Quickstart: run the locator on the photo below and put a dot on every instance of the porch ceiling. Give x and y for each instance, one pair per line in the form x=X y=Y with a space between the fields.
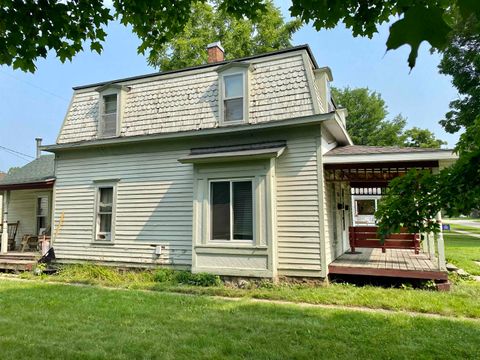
x=373 y=174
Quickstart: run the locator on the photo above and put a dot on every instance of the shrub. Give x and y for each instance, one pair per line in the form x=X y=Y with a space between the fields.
x=164 y=275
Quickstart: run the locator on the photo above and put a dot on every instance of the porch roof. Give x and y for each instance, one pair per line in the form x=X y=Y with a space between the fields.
x=356 y=154
x=38 y=173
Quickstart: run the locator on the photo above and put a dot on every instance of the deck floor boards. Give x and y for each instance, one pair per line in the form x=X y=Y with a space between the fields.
x=394 y=262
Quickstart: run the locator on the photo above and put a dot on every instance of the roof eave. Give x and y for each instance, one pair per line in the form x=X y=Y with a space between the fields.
x=232 y=129
x=44 y=184
x=369 y=158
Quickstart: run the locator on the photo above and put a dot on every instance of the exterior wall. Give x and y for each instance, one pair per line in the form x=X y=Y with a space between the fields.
x=279 y=89
x=155 y=206
x=22 y=207
x=298 y=228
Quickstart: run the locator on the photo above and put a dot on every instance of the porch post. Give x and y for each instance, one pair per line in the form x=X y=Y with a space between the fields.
x=4 y=244
x=440 y=244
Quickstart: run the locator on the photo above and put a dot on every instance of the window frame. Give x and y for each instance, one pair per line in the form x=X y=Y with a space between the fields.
x=96 y=219
x=46 y=216
x=209 y=212
x=226 y=71
x=105 y=90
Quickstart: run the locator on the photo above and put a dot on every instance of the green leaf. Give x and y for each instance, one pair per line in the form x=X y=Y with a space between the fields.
x=417 y=25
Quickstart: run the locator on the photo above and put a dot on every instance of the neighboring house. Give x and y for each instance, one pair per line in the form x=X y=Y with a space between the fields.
x=239 y=168
x=27 y=197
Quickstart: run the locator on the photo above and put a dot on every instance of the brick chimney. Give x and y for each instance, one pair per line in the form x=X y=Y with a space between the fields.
x=215 y=52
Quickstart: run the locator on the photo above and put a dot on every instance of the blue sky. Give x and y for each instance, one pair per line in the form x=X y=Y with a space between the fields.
x=34 y=105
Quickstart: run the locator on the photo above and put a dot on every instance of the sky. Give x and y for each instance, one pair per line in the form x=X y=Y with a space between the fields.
x=34 y=105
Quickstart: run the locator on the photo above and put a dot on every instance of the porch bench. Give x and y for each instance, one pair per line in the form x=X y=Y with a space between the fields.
x=367 y=237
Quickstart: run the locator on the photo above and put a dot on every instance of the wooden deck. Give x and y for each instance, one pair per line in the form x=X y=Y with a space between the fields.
x=18 y=261
x=400 y=263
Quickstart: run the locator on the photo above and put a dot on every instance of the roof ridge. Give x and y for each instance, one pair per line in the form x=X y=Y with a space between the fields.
x=160 y=73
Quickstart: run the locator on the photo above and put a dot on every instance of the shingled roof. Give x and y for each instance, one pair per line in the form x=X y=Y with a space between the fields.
x=363 y=150
x=40 y=170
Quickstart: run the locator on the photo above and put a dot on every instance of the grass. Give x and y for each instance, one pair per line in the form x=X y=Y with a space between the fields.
x=462 y=301
x=49 y=321
x=471 y=229
x=463 y=251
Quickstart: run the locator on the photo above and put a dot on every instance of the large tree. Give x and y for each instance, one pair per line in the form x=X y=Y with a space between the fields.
x=456 y=189
x=367 y=121
x=239 y=36
x=29 y=29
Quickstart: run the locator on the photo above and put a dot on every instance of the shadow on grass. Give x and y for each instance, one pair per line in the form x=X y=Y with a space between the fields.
x=58 y=321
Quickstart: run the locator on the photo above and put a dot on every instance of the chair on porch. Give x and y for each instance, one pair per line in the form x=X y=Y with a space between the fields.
x=12 y=233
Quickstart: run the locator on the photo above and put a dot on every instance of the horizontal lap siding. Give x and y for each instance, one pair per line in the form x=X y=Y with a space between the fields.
x=154 y=207
x=22 y=207
x=297 y=209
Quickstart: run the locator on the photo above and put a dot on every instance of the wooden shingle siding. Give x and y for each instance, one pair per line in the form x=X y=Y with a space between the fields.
x=154 y=207
x=297 y=209
x=278 y=90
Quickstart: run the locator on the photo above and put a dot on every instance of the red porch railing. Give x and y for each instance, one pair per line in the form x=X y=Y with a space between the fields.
x=367 y=237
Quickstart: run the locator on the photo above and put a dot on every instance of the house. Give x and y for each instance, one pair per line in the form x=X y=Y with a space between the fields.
x=237 y=168
x=27 y=202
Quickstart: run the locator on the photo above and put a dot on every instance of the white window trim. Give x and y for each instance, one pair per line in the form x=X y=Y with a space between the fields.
x=101 y=112
x=222 y=98
x=47 y=216
x=209 y=213
x=96 y=218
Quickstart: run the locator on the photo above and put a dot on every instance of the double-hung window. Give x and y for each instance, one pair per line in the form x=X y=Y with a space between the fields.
x=104 y=212
x=231 y=204
x=42 y=214
x=233 y=97
x=109 y=119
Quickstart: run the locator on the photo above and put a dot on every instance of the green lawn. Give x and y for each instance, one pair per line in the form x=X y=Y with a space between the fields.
x=40 y=320
x=470 y=229
x=463 y=251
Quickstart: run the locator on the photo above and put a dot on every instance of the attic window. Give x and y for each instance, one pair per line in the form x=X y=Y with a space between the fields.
x=108 y=126
x=233 y=98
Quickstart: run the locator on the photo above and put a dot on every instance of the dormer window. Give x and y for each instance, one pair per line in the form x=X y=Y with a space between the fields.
x=108 y=125
x=111 y=102
x=233 y=98
x=233 y=93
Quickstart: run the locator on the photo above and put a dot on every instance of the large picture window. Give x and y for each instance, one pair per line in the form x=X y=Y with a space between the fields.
x=231 y=204
x=104 y=213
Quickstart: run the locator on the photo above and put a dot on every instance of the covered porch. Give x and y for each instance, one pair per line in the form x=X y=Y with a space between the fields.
x=363 y=173
x=26 y=195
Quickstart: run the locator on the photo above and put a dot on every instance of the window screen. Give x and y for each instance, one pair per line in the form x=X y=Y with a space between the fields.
x=109 y=116
x=105 y=208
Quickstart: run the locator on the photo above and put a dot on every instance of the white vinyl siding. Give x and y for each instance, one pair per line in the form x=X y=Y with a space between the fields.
x=153 y=207
x=298 y=228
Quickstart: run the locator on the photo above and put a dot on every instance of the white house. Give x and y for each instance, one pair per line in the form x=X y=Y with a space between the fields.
x=240 y=168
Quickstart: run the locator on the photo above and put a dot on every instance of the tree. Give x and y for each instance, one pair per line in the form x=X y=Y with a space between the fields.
x=239 y=37
x=456 y=188
x=367 y=124
x=29 y=29
x=424 y=138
